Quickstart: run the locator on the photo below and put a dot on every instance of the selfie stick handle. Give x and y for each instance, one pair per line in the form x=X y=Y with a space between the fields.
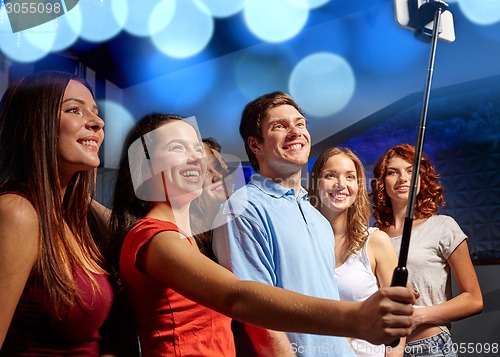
x=400 y=275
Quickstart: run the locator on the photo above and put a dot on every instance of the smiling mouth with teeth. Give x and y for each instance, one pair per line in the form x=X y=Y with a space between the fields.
x=217 y=187
x=90 y=143
x=191 y=173
x=294 y=147
x=338 y=195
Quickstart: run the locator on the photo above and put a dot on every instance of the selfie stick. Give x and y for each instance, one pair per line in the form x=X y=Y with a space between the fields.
x=400 y=275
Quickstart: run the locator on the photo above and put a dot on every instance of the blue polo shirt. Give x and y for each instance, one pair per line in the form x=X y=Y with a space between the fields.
x=266 y=234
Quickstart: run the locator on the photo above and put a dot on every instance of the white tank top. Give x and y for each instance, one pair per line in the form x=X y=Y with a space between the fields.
x=357 y=282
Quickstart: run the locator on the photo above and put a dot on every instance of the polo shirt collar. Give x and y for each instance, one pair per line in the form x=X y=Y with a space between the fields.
x=271 y=188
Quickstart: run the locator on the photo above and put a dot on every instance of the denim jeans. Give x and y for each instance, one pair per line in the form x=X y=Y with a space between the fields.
x=439 y=345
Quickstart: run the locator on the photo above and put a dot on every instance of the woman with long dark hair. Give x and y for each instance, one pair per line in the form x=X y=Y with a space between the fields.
x=54 y=290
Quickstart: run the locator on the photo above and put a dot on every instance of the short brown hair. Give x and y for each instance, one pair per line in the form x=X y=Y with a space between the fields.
x=254 y=112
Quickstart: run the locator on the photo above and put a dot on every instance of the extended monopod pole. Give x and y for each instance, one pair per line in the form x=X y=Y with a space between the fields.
x=400 y=275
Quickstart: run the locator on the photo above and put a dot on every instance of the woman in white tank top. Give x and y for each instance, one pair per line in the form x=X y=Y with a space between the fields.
x=365 y=258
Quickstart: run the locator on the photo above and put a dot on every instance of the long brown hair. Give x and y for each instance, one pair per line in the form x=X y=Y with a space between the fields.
x=29 y=139
x=429 y=198
x=358 y=214
x=127 y=207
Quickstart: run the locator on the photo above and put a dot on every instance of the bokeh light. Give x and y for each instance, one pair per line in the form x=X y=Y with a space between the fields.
x=276 y=21
x=16 y=46
x=161 y=16
x=313 y=4
x=139 y=13
x=68 y=29
x=189 y=31
x=323 y=83
x=42 y=36
x=102 y=19
x=223 y=8
x=51 y=36
x=482 y=12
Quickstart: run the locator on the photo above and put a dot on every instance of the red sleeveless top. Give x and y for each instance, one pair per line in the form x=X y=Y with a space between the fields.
x=168 y=323
x=38 y=330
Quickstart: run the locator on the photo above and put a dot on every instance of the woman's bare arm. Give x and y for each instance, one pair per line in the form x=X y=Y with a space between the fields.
x=382 y=318
x=18 y=253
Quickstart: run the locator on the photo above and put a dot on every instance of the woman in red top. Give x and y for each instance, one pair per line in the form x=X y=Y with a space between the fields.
x=54 y=293
x=179 y=296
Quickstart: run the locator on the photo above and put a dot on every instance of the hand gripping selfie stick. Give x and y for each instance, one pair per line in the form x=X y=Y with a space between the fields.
x=400 y=275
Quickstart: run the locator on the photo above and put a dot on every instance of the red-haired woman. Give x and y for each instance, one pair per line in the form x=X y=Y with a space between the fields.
x=438 y=247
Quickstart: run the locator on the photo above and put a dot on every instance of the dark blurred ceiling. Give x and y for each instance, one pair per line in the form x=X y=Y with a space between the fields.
x=386 y=63
x=120 y=58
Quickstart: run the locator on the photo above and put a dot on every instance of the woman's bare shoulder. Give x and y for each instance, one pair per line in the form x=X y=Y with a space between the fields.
x=20 y=236
x=17 y=214
x=17 y=208
x=379 y=238
x=380 y=243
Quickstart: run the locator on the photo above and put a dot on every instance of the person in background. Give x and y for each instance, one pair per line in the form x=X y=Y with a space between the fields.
x=438 y=247
x=183 y=301
x=364 y=256
x=212 y=144
x=54 y=290
x=216 y=190
x=268 y=231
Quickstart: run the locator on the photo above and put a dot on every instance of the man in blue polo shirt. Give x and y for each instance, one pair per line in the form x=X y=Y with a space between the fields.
x=269 y=232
